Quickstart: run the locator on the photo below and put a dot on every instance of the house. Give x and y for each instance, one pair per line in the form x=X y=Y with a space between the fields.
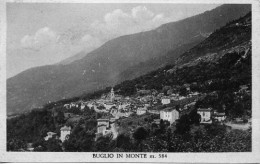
x=101 y=129
x=127 y=114
x=141 y=111
x=174 y=96
x=90 y=105
x=205 y=114
x=192 y=104
x=123 y=105
x=243 y=87
x=112 y=120
x=187 y=86
x=118 y=97
x=182 y=98
x=165 y=100
x=114 y=111
x=67 y=106
x=64 y=133
x=127 y=98
x=108 y=105
x=49 y=135
x=157 y=121
x=160 y=95
x=73 y=105
x=106 y=127
x=154 y=111
x=143 y=92
x=169 y=114
x=104 y=121
x=30 y=147
x=113 y=130
x=82 y=106
x=219 y=116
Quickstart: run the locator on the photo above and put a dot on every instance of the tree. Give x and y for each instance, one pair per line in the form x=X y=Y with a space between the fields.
x=195 y=118
x=86 y=141
x=90 y=124
x=140 y=133
x=71 y=145
x=183 y=91
x=60 y=118
x=183 y=124
x=53 y=145
x=103 y=143
x=15 y=144
x=124 y=141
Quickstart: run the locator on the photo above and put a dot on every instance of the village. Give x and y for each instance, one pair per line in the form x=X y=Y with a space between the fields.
x=113 y=108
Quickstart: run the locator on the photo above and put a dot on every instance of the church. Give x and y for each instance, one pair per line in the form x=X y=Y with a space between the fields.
x=112 y=96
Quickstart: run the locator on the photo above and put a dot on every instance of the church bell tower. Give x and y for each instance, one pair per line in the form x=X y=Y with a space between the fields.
x=112 y=94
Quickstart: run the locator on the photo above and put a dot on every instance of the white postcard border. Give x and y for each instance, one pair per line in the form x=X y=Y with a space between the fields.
x=243 y=157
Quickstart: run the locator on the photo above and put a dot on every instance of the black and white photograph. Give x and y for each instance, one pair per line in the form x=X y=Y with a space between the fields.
x=115 y=81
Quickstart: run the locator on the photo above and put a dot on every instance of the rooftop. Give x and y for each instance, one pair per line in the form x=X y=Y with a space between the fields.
x=205 y=109
x=51 y=133
x=65 y=128
x=219 y=114
x=169 y=109
x=165 y=97
x=104 y=119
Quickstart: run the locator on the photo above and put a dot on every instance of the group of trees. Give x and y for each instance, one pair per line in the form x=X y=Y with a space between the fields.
x=187 y=135
x=28 y=128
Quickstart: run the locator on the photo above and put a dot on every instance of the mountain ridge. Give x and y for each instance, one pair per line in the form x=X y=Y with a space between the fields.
x=103 y=66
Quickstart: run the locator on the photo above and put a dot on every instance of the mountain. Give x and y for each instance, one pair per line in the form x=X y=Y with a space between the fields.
x=69 y=60
x=219 y=64
x=105 y=65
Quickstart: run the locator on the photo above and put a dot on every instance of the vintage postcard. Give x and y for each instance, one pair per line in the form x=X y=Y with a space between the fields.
x=130 y=81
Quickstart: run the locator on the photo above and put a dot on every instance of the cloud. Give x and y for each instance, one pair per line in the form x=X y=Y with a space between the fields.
x=87 y=37
x=90 y=42
x=118 y=23
x=141 y=13
x=42 y=37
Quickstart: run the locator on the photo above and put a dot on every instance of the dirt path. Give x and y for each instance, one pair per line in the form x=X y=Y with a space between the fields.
x=238 y=126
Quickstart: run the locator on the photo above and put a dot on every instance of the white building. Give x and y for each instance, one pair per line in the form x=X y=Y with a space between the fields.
x=154 y=111
x=103 y=122
x=67 y=106
x=123 y=106
x=109 y=105
x=219 y=116
x=82 y=106
x=165 y=100
x=205 y=114
x=90 y=105
x=49 y=135
x=169 y=114
x=64 y=133
x=105 y=127
x=141 y=111
x=101 y=129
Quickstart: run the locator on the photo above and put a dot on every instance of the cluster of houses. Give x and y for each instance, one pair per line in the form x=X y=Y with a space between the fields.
x=64 y=134
x=106 y=126
x=207 y=115
x=117 y=107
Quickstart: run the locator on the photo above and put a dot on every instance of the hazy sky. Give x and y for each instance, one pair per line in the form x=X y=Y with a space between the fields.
x=41 y=34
